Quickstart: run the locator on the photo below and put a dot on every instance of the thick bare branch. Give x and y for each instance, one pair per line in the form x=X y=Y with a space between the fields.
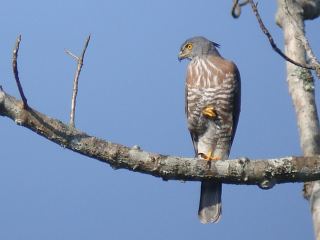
x=264 y=173
x=16 y=73
x=300 y=35
x=290 y=17
x=76 y=79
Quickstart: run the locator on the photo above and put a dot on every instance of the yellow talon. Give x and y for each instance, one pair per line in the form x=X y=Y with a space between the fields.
x=215 y=158
x=209 y=156
x=209 y=112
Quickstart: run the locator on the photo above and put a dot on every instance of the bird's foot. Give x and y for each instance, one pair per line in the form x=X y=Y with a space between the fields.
x=209 y=112
x=209 y=156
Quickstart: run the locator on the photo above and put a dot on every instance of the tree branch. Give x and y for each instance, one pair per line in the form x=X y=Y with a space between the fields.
x=16 y=73
x=236 y=8
x=264 y=173
x=302 y=37
x=272 y=42
x=76 y=79
x=290 y=17
x=309 y=12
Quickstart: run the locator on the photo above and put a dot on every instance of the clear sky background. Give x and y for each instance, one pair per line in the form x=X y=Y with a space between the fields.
x=131 y=92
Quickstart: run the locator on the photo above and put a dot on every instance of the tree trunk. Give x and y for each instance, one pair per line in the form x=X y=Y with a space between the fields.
x=290 y=17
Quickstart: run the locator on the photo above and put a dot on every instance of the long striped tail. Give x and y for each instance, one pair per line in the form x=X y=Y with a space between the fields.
x=210 y=202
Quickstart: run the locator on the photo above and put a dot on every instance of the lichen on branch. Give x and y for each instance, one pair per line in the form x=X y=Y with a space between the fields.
x=264 y=173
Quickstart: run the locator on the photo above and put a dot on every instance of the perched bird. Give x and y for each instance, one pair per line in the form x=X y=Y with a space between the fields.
x=212 y=107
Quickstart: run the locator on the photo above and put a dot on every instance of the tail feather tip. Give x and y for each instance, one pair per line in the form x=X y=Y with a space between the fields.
x=209 y=218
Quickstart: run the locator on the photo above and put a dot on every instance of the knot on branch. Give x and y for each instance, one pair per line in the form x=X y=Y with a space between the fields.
x=267 y=184
x=22 y=116
x=269 y=178
x=244 y=163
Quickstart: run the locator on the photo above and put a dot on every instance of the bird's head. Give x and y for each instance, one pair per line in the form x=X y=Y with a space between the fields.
x=197 y=47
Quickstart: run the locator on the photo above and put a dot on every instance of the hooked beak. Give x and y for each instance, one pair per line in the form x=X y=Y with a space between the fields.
x=182 y=55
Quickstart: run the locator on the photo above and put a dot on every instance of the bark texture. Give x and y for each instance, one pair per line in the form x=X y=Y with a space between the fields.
x=264 y=173
x=290 y=17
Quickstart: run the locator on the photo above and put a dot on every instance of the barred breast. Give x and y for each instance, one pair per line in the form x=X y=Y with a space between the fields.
x=212 y=80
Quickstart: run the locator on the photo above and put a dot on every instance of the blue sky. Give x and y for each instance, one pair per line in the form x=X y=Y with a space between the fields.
x=131 y=91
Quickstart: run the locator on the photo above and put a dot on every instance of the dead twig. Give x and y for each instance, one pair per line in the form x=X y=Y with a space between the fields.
x=236 y=8
x=270 y=38
x=76 y=79
x=16 y=73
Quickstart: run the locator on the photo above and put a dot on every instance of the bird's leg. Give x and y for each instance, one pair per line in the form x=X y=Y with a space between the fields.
x=209 y=111
x=209 y=156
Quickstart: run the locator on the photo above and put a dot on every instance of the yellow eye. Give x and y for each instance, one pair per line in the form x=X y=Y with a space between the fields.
x=189 y=46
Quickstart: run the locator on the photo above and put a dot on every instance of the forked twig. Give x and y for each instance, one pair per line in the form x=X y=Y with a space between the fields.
x=16 y=73
x=76 y=79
